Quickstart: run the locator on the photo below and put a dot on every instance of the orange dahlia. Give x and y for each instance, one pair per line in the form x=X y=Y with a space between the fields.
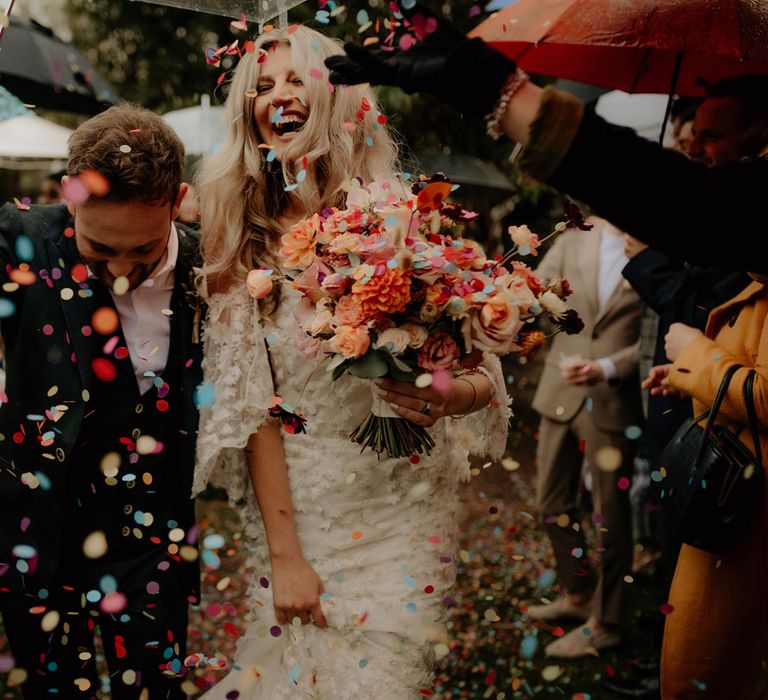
x=384 y=294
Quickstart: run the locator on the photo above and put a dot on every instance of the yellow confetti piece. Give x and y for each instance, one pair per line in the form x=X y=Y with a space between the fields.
x=146 y=445
x=563 y=520
x=53 y=391
x=491 y=615
x=66 y=294
x=551 y=673
x=121 y=285
x=371 y=40
x=110 y=464
x=95 y=545
x=50 y=621
x=223 y=583
x=628 y=579
x=510 y=464
x=608 y=458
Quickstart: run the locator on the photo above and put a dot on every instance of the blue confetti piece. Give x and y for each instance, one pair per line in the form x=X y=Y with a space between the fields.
x=633 y=432
x=49 y=435
x=210 y=559
x=391 y=263
x=408 y=4
x=7 y=308
x=35 y=416
x=108 y=584
x=294 y=673
x=272 y=338
x=546 y=579
x=301 y=175
x=369 y=140
x=656 y=476
x=528 y=646
x=409 y=581
x=291 y=188
x=411 y=607
x=578 y=552
x=339 y=576
x=129 y=477
x=93 y=596
x=213 y=542
x=24 y=551
x=43 y=594
x=45 y=482
x=205 y=395
x=278 y=115
x=271 y=155
x=138 y=516
x=323 y=16
x=588 y=405
x=362 y=17
x=325 y=597
x=25 y=250
x=22 y=567
x=363 y=663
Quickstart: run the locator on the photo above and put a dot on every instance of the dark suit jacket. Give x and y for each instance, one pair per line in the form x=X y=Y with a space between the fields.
x=43 y=312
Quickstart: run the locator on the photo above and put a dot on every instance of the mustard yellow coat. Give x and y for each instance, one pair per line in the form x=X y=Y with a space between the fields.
x=716 y=638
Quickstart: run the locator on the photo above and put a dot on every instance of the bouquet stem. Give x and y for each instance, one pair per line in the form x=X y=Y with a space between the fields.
x=383 y=430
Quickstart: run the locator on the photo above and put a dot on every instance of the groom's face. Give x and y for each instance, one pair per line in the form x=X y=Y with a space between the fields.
x=123 y=239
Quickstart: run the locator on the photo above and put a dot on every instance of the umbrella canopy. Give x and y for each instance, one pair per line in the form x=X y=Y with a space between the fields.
x=201 y=129
x=654 y=46
x=255 y=10
x=30 y=136
x=41 y=69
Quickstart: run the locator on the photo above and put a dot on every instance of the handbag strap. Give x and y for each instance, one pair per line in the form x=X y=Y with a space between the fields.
x=749 y=402
x=715 y=409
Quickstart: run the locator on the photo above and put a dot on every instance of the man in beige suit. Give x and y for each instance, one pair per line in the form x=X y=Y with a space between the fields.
x=588 y=396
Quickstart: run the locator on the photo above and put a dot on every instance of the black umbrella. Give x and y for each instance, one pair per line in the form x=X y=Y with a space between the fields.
x=41 y=69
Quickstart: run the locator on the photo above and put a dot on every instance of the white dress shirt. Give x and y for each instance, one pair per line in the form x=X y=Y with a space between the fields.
x=612 y=261
x=146 y=320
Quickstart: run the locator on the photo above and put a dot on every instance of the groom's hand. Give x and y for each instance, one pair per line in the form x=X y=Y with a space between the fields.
x=465 y=73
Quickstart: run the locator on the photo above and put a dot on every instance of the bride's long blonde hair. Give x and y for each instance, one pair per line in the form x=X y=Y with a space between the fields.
x=242 y=195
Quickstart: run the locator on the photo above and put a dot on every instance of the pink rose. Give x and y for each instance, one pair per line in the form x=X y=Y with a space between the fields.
x=439 y=351
x=524 y=239
x=520 y=269
x=350 y=341
x=347 y=313
x=494 y=327
x=259 y=283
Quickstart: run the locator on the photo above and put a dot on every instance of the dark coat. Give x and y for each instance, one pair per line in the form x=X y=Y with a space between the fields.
x=49 y=373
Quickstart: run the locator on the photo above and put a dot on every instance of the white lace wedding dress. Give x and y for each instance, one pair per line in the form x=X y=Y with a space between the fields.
x=380 y=533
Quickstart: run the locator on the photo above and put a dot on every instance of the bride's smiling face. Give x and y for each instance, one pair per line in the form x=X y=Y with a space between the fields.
x=281 y=106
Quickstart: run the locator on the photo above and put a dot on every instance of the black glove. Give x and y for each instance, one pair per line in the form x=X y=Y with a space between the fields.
x=466 y=73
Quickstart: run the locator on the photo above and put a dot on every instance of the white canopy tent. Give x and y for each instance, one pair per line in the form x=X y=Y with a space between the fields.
x=32 y=143
x=201 y=129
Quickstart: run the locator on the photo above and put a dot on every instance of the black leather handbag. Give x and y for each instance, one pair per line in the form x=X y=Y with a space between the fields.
x=710 y=481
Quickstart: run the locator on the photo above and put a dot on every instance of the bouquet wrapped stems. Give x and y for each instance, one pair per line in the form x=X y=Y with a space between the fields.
x=384 y=431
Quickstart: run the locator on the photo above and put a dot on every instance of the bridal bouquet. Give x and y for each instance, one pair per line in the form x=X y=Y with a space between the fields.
x=390 y=288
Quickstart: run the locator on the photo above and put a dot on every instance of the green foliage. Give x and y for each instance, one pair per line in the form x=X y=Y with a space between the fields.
x=153 y=55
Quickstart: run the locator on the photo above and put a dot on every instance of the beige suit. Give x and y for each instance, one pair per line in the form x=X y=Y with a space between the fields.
x=580 y=420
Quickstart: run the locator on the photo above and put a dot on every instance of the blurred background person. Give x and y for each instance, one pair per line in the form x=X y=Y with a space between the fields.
x=50 y=188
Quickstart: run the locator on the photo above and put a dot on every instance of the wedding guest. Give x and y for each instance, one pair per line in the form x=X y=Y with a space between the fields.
x=97 y=523
x=50 y=188
x=335 y=536
x=577 y=152
x=588 y=395
x=716 y=635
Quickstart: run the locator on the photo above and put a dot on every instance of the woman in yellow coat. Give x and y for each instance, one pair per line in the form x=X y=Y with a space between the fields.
x=716 y=635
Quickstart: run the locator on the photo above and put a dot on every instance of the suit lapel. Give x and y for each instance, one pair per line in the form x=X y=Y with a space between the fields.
x=587 y=254
x=76 y=302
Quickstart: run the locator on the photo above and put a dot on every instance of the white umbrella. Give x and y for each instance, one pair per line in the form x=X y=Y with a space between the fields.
x=201 y=129
x=256 y=10
x=30 y=138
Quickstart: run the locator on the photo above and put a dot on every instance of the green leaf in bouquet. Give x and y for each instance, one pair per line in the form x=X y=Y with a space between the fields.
x=370 y=366
x=340 y=368
x=399 y=371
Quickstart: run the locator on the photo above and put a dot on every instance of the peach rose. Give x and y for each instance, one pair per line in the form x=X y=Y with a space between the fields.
x=319 y=323
x=259 y=283
x=439 y=352
x=517 y=286
x=350 y=341
x=494 y=327
x=347 y=313
x=525 y=239
x=418 y=334
x=298 y=245
x=346 y=243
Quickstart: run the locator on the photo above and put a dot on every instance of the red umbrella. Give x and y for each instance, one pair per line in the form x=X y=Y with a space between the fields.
x=657 y=46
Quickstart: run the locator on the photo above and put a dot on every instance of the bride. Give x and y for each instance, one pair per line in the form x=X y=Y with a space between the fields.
x=351 y=556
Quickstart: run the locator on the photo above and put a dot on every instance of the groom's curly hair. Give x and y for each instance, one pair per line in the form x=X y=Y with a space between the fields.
x=140 y=156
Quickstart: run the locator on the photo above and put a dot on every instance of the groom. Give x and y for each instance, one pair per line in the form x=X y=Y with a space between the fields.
x=98 y=423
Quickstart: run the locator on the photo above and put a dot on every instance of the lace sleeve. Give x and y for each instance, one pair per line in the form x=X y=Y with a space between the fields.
x=484 y=433
x=236 y=391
